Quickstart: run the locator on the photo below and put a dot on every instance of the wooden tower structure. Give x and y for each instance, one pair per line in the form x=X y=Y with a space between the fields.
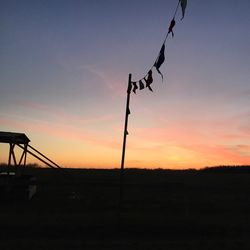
x=21 y=141
x=15 y=139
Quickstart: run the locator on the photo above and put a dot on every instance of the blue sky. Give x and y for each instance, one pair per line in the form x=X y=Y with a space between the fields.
x=64 y=69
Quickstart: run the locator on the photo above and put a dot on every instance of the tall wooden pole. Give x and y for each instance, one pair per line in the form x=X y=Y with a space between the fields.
x=125 y=133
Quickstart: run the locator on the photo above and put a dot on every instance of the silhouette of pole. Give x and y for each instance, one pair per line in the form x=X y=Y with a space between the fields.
x=125 y=137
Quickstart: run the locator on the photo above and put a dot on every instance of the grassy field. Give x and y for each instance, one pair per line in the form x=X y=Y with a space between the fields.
x=79 y=209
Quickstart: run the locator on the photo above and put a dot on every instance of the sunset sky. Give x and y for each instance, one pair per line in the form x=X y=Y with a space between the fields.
x=64 y=67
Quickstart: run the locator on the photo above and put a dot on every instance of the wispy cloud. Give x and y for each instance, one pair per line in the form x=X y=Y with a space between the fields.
x=58 y=130
x=112 y=81
x=62 y=115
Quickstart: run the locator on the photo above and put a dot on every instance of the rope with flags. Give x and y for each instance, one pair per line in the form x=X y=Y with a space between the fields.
x=147 y=80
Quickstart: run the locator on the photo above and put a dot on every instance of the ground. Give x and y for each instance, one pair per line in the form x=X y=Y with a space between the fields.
x=81 y=209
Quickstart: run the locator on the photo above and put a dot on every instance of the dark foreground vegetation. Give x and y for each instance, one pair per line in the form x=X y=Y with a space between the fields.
x=79 y=209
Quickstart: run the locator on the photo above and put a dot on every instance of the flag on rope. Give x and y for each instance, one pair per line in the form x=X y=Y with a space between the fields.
x=135 y=87
x=171 y=26
x=160 y=60
x=183 y=7
x=149 y=80
x=141 y=85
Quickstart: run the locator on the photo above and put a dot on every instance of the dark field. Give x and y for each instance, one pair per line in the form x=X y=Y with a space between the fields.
x=160 y=210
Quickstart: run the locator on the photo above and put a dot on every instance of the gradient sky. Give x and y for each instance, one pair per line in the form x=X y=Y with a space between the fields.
x=64 y=66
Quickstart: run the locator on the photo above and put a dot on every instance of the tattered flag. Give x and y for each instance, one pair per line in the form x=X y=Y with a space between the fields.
x=171 y=26
x=183 y=7
x=160 y=60
x=141 y=85
x=149 y=80
x=150 y=88
x=135 y=87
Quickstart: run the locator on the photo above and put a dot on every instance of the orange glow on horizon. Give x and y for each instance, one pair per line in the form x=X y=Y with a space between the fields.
x=162 y=144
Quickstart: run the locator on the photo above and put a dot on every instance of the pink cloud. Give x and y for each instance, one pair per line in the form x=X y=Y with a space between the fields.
x=213 y=140
x=59 y=130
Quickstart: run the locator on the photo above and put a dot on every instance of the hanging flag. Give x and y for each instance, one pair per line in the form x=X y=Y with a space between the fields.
x=183 y=7
x=135 y=87
x=149 y=80
x=141 y=85
x=171 y=26
x=160 y=60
